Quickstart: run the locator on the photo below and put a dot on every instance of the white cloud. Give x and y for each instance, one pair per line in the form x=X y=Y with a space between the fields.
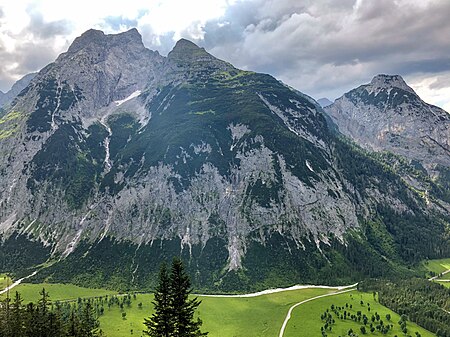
x=321 y=47
x=438 y=95
x=47 y=27
x=177 y=16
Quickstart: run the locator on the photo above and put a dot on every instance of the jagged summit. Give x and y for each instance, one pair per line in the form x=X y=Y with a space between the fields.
x=99 y=38
x=383 y=81
x=91 y=36
x=104 y=67
x=387 y=115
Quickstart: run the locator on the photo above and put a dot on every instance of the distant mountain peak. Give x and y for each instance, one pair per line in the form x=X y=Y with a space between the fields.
x=387 y=115
x=324 y=102
x=390 y=81
x=8 y=97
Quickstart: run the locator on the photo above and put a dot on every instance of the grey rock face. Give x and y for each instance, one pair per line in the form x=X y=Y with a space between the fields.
x=387 y=114
x=108 y=67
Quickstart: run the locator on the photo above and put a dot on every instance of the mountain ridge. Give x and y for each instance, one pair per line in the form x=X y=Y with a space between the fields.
x=7 y=97
x=114 y=149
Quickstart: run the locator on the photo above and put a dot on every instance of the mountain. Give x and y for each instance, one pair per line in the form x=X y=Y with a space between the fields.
x=324 y=102
x=115 y=158
x=387 y=115
x=7 y=98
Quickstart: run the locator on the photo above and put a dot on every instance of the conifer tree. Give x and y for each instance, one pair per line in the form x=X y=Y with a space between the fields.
x=89 y=321
x=174 y=311
x=43 y=313
x=17 y=317
x=183 y=307
x=160 y=324
x=5 y=316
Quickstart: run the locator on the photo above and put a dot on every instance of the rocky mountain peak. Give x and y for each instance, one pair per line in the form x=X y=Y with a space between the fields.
x=188 y=52
x=186 y=45
x=93 y=37
x=100 y=68
x=324 y=102
x=383 y=81
x=387 y=115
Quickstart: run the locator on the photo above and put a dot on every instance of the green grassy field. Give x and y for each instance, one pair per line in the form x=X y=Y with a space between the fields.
x=4 y=281
x=222 y=317
x=445 y=277
x=260 y=316
x=437 y=266
x=306 y=320
x=57 y=292
x=445 y=284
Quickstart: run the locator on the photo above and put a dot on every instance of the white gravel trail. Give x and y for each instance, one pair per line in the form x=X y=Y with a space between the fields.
x=288 y=316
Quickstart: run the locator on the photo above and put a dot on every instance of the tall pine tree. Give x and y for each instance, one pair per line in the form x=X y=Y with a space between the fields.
x=183 y=307
x=161 y=322
x=17 y=317
x=174 y=311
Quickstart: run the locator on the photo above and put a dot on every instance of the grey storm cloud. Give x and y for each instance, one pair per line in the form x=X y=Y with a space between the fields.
x=321 y=47
x=46 y=30
x=440 y=82
x=33 y=53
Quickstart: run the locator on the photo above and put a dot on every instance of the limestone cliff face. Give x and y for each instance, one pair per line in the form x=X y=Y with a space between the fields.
x=387 y=115
x=114 y=142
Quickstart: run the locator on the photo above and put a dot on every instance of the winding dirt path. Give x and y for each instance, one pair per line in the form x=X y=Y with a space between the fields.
x=17 y=283
x=278 y=290
x=288 y=316
x=439 y=275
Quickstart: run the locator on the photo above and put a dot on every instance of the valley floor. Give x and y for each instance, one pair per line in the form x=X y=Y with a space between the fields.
x=248 y=315
x=290 y=312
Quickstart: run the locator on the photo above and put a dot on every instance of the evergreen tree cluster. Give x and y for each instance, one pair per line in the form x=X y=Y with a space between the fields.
x=174 y=311
x=44 y=319
x=423 y=302
x=369 y=322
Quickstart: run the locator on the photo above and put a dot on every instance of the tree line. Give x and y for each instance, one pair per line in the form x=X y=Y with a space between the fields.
x=174 y=311
x=423 y=302
x=45 y=319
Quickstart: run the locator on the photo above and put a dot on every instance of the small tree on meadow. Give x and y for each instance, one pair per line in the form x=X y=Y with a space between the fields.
x=160 y=324
x=183 y=307
x=174 y=311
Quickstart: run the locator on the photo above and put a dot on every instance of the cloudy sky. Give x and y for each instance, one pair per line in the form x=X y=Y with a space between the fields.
x=321 y=47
